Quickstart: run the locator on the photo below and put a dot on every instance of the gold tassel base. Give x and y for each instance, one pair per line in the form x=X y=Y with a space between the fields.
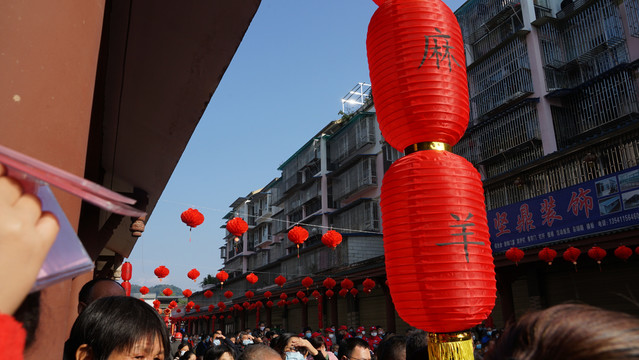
x=451 y=346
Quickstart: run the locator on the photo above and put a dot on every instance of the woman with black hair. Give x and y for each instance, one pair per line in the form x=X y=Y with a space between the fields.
x=220 y=352
x=118 y=328
x=189 y=355
x=292 y=347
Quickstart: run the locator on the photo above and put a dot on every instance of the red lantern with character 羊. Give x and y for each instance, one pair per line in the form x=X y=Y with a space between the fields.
x=298 y=235
x=237 y=226
x=436 y=240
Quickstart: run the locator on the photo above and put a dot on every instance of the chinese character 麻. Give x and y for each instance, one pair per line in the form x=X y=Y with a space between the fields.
x=437 y=50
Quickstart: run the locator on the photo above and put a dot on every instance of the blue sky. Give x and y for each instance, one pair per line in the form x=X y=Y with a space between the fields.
x=297 y=60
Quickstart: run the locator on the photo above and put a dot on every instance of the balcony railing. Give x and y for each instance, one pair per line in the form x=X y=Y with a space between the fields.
x=362 y=217
x=473 y=16
x=595 y=108
x=632 y=13
x=351 y=138
x=362 y=174
x=501 y=78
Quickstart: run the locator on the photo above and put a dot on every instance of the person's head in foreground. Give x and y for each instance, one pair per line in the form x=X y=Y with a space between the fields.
x=259 y=352
x=97 y=289
x=570 y=332
x=354 y=348
x=118 y=328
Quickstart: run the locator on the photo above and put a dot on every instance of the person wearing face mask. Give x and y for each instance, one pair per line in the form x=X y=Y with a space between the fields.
x=374 y=339
x=361 y=333
x=380 y=331
x=245 y=339
x=182 y=349
x=291 y=347
x=329 y=337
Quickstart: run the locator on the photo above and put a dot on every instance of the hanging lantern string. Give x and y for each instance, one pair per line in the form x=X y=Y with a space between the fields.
x=343 y=230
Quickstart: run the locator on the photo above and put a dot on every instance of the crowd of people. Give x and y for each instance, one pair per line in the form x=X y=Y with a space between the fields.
x=111 y=326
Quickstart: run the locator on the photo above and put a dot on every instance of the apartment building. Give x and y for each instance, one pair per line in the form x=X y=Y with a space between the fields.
x=554 y=131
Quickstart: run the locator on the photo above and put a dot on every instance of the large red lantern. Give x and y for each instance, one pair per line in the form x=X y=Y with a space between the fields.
x=249 y=294
x=298 y=235
x=331 y=239
x=329 y=283
x=268 y=294
x=222 y=276
x=307 y=282
x=144 y=290
x=127 y=287
x=187 y=293
x=228 y=294
x=126 y=271
x=251 y=278
x=547 y=254
x=623 y=252
x=167 y=292
x=418 y=74
x=280 y=280
x=193 y=274
x=237 y=227
x=346 y=284
x=208 y=294
x=515 y=255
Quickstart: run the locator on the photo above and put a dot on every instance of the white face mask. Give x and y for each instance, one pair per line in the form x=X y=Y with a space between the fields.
x=261 y=328
x=308 y=335
x=374 y=333
x=182 y=352
x=294 y=355
x=217 y=342
x=247 y=342
x=363 y=332
x=331 y=335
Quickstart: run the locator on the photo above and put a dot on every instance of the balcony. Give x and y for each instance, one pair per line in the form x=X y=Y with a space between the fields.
x=359 y=132
x=632 y=13
x=599 y=106
x=360 y=216
x=358 y=177
x=477 y=17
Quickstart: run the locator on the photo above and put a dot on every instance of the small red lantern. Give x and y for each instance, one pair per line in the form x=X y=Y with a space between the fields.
x=192 y=218
x=369 y=283
x=300 y=294
x=281 y=303
x=515 y=255
x=197 y=308
x=343 y=292
x=221 y=305
x=208 y=294
x=316 y=294
x=283 y=296
x=126 y=271
x=249 y=294
x=156 y=303
x=304 y=300
x=173 y=304
x=222 y=317
x=193 y=274
x=237 y=226
x=331 y=239
x=329 y=293
x=547 y=254
x=167 y=292
x=269 y=303
x=259 y=304
x=288 y=302
x=161 y=272
x=144 y=290
x=187 y=293
x=179 y=310
x=596 y=253
x=222 y=276
x=213 y=317
x=298 y=235
x=246 y=304
x=190 y=304
x=228 y=294
x=280 y=280
x=572 y=254
x=307 y=282
x=346 y=284
x=211 y=307
x=354 y=291
x=295 y=301
x=329 y=283
x=268 y=294
x=251 y=278
x=623 y=252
